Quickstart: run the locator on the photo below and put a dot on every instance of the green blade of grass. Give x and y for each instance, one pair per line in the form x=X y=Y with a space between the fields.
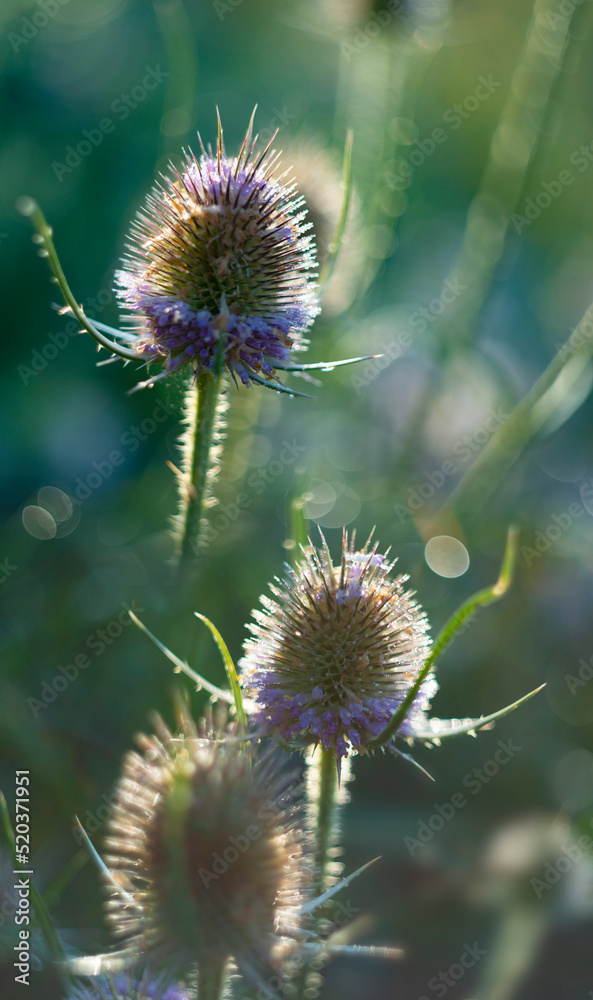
x=526 y=420
x=334 y=247
x=229 y=666
x=297 y=538
x=182 y=665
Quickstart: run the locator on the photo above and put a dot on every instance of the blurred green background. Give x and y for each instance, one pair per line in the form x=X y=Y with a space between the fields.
x=474 y=110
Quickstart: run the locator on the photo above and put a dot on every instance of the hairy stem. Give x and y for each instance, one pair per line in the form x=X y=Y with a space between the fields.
x=326 y=797
x=327 y=780
x=212 y=975
x=529 y=416
x=551 y=44
x=201 y=446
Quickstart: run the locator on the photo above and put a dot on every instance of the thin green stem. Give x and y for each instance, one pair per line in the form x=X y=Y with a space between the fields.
x=201 y=447
x=212 y=976
x=212 y=965
x=326 y=816
x=446 y=635
x=381 y=82
x=297 y=536
x=514 y=148
x=29 y=208
x=527 y=419
x=182 y=85
x=325 y=797
x=334 y=249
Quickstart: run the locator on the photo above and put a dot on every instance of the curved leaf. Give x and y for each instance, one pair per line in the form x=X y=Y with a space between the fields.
x=229 y=666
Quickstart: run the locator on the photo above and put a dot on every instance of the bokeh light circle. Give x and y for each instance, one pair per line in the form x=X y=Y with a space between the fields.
x=39 y=522
x=446 y=556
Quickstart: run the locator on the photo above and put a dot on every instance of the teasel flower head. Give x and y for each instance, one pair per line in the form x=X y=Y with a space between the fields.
x=334 y=654
x=220 y=259
x=207 y=849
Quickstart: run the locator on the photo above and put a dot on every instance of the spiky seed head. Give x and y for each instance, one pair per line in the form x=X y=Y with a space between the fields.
x=335 y=653
x=221 y=249
x=208 y=847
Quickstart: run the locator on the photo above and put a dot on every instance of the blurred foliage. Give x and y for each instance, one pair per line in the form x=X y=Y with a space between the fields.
x=385 y=444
